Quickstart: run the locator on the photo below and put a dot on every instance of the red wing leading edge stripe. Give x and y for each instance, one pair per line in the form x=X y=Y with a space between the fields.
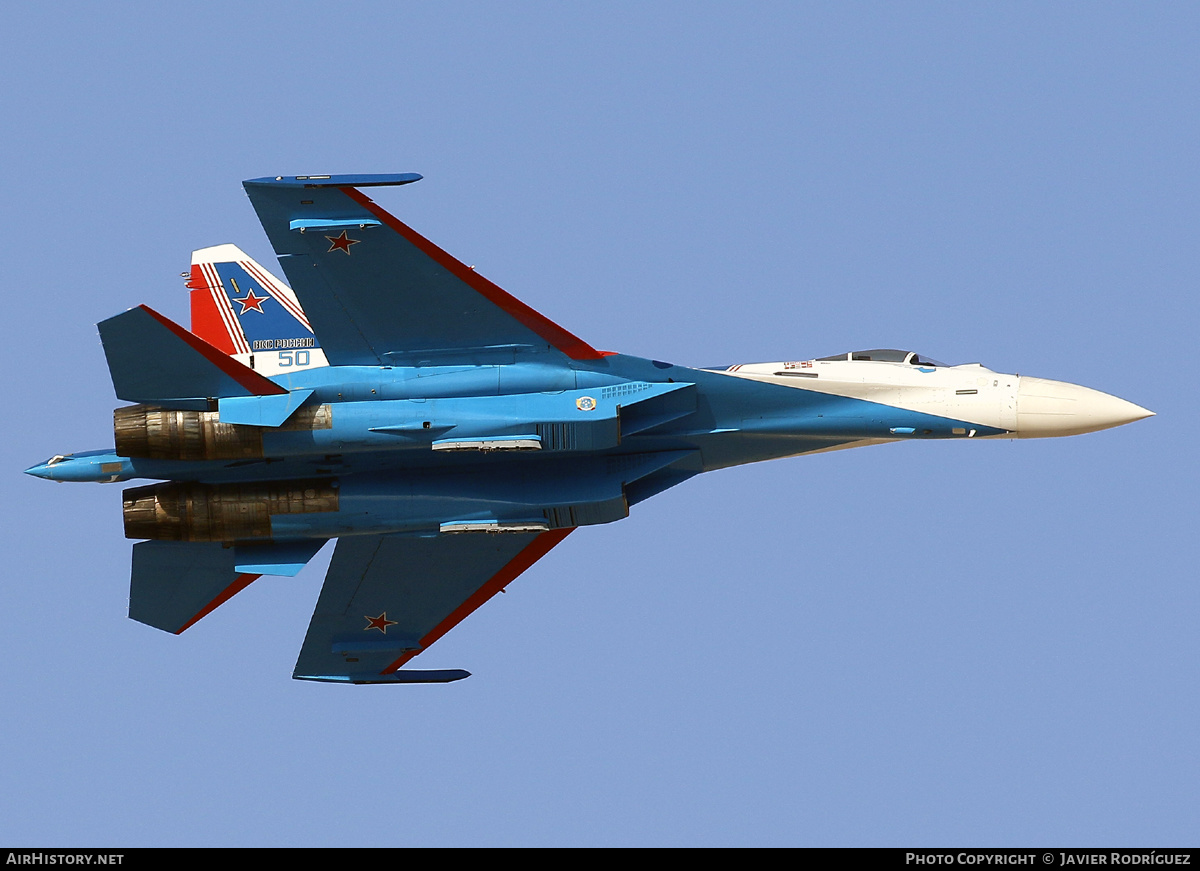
x=239 y=583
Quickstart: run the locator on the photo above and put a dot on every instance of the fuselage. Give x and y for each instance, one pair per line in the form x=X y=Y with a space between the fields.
x=489 y=418
x=999 y=404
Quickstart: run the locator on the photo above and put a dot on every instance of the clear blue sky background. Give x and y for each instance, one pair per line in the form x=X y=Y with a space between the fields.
x=918 y=644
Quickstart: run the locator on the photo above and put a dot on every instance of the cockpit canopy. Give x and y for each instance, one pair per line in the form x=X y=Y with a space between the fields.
x=887 y=355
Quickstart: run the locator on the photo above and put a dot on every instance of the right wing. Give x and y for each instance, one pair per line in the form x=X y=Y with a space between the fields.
x=388 y=597
x=378 y=293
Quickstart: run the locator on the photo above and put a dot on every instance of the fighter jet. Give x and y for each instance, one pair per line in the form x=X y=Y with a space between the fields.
x=446 y=434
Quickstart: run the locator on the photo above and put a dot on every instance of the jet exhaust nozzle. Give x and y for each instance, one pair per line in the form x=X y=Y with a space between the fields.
x=220 y=512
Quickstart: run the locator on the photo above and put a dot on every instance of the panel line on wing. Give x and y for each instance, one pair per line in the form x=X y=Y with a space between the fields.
x=532 y=552
x=366 y=569
x=563 y=339
x=331 y=291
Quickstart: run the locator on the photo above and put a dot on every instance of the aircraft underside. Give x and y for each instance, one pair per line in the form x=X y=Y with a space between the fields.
x=444 y=433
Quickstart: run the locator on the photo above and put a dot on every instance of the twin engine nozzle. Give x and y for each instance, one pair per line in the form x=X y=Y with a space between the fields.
x=166 y=434
x=220 y=512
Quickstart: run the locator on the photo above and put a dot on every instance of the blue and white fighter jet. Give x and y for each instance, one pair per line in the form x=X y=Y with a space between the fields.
x=447 y=435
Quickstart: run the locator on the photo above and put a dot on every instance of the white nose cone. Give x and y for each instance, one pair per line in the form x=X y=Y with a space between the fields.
x=1056 y=408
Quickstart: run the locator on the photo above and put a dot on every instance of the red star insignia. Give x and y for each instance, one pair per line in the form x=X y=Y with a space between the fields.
x=381 y=623
x=341 y=243
x=251 y=302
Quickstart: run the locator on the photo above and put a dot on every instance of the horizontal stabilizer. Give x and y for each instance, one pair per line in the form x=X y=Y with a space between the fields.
x=176 y=583
x=153 y=359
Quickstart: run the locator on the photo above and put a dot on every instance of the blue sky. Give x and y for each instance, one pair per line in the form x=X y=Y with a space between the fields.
x=918 y=644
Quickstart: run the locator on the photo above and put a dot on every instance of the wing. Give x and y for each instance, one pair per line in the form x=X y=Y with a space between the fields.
x=388 y=597
x=378 y=293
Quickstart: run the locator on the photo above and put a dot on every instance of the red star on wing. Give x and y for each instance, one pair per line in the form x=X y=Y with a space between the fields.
x=381 y=623
x=251 y=302
x=341 y=243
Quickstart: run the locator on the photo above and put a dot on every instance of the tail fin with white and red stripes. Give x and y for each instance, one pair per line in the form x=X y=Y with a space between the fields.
x=245 y=311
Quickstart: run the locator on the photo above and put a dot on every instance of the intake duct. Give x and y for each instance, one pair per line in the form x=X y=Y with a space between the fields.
x=221 y=512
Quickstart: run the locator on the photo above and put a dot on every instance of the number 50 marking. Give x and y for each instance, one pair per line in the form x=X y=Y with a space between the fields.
x=293 y=358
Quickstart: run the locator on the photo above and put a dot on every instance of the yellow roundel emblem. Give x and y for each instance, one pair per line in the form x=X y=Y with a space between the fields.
x=585 y=403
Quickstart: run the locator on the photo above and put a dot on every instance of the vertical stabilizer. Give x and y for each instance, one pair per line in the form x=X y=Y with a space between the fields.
x=241 y=308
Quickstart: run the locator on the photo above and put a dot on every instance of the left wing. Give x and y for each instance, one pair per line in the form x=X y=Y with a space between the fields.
x=376 y=292
x=388 y=597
